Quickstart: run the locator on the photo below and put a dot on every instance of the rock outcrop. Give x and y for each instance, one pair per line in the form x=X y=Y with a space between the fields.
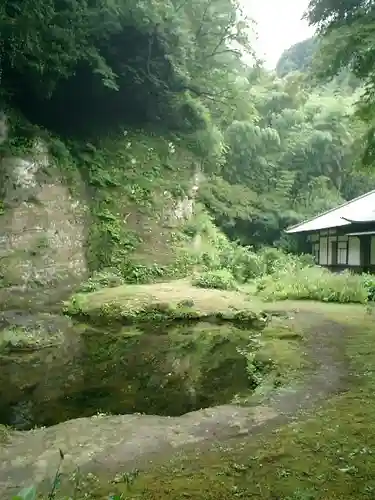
x=120 y=207
x=42 y=232
x=109 y=444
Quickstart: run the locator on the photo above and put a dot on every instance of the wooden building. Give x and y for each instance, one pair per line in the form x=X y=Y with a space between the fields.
x=344 y=237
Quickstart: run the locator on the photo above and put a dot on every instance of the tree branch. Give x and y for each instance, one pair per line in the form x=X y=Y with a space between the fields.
x=208 y=5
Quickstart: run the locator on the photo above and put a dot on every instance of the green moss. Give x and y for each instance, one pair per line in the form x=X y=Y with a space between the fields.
x=326 y=453
x=132 y=182
x=162 y=303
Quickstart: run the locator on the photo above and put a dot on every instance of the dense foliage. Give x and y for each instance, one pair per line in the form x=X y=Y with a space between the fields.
x=84 y=69
x=347 y=32
x=294 y=156
x=273 y=274
x=298 y=57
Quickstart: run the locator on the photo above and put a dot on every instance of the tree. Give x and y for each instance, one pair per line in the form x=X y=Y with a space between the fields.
x=297 y=58
x=296 y=154
x=347 y=30
x=85 y=69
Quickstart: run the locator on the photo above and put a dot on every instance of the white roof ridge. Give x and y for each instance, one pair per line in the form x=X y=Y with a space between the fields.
x=306 y=221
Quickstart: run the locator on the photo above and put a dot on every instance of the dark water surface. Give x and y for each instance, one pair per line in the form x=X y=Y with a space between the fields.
x=61 y=371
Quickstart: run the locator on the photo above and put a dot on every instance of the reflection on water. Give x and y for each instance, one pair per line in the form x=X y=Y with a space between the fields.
x=168 y=371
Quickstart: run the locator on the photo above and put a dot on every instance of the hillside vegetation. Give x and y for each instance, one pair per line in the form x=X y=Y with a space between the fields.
x=137 y=99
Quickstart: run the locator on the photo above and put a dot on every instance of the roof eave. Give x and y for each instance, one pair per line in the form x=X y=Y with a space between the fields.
x=358 y=221
x=295 y=230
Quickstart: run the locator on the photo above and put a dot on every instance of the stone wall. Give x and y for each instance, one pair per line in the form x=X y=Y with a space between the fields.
x=42 y=231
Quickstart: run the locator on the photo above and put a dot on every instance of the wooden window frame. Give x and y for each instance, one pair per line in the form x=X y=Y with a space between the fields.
x=342 y=246
x=316 y=251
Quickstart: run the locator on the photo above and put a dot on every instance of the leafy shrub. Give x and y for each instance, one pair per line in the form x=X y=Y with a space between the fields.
x=313 y=283
x=275 y=260
x=221 y=279
x=139 y=273
x=307 y=260
x=102 y=279
x=242 y=262
x=216 y=252
x=369 y=283
x=271 y=259
x=247 y=265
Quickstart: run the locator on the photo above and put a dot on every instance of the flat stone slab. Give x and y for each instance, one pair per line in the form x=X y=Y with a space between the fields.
x=109 y=442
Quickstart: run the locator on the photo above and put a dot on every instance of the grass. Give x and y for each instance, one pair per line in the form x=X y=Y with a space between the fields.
x=314 y=283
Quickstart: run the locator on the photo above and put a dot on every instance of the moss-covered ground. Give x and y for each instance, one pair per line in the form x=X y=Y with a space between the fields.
x=327 y=453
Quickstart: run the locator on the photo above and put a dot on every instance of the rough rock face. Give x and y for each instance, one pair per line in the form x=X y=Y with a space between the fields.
x=50 y=237
x=42 y=231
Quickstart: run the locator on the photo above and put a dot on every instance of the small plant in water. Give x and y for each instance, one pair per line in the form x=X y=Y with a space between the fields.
x=57 y=478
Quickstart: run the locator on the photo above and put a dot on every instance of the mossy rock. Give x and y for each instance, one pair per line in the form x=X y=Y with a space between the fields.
x=165 y=302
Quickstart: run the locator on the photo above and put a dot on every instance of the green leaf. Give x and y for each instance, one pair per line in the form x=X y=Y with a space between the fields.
x=26 y=494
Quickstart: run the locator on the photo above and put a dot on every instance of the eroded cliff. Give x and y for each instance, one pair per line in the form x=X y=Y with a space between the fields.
x=67 y=211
